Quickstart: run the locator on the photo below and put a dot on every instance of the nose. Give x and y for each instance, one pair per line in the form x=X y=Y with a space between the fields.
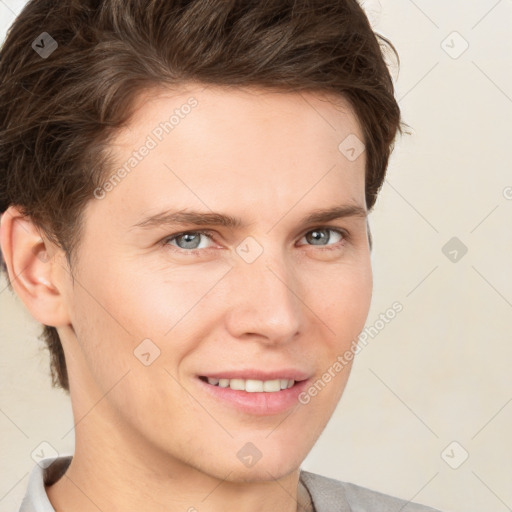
x=266 y=303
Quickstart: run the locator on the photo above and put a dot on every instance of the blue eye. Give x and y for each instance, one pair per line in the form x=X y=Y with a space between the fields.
x=188 y=242
x=319 y=235
x=190 y=239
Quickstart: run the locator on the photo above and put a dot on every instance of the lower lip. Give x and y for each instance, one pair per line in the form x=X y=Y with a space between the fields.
x=259 y=403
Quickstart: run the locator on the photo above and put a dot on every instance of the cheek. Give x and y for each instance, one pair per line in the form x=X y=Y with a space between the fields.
x=158 y=302
x=343 y=299
x=139 y=298
x=112 y=318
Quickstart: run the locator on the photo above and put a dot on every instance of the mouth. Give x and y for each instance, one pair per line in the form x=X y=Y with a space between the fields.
x=254 y=397
x=251 y=385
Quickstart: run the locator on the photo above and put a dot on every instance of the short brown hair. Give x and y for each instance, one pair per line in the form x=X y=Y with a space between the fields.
x=57 y=113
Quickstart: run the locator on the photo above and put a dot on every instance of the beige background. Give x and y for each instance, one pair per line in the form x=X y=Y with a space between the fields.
x=440 y=371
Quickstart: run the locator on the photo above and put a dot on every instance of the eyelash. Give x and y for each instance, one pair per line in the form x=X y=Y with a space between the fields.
x=208 y=234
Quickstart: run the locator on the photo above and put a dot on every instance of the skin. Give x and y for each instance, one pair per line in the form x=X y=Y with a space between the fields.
x=148 y=437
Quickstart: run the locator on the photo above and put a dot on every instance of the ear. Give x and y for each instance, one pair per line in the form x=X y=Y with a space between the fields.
x=34 y=265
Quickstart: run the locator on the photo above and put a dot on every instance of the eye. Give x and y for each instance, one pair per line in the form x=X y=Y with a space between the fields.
x=187 y=240
x=320 y=237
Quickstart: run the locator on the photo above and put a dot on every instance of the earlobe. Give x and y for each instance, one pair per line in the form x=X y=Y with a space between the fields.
x=30 y=266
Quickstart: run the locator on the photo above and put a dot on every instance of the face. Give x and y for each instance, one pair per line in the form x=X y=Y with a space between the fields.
x=273 y=296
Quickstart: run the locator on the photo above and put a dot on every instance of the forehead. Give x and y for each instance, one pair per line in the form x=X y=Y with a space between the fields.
x=210 y=112
x=217 y=147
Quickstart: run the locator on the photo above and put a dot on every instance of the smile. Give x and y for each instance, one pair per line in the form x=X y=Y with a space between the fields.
x=255 y=397
x=251 y=385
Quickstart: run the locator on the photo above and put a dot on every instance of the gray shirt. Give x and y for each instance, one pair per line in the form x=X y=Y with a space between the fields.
x=317 y=493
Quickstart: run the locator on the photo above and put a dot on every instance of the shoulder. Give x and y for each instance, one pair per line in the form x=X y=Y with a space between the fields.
x=330 y=495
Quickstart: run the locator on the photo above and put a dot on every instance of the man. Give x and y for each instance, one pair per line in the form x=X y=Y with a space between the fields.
x=185 y=188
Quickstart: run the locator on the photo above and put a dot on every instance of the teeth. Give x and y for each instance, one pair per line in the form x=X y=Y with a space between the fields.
x=253 y=386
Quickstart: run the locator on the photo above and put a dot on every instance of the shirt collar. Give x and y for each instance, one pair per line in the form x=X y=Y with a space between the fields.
x=45 y=472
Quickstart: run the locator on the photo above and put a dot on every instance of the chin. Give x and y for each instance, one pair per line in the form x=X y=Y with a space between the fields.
x=264 y=470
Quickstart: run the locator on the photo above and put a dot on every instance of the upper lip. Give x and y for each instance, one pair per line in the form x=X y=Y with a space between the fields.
x=255 y=374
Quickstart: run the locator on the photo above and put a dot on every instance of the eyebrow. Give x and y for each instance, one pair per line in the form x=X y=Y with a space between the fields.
x=184 y=217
